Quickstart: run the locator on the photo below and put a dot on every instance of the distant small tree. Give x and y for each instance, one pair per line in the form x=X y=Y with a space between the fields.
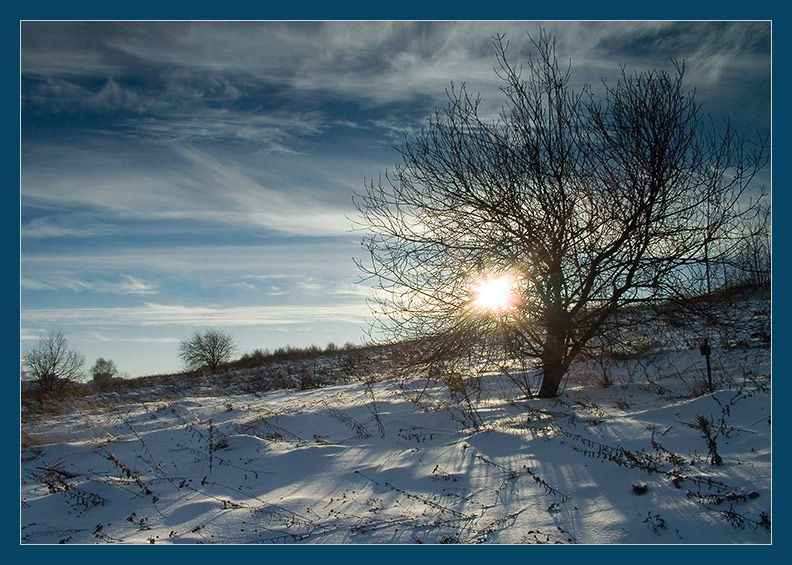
x=52 y=364
x=207 y=350
x=103 y=370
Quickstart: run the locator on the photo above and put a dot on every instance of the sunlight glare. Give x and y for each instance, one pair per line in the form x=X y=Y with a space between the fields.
x=496 y=293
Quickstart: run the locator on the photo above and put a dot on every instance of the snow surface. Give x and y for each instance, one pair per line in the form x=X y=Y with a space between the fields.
x=392 y=460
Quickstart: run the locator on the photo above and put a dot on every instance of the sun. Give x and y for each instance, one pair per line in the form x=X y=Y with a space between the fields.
x=496 y=293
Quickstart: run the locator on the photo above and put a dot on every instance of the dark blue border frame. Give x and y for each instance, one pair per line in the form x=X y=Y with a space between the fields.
x=522 y=10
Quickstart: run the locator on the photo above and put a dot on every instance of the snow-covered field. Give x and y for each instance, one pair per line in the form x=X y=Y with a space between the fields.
x=393 y=461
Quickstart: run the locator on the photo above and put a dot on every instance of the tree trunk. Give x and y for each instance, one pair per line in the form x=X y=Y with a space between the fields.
x=551 y=380
x=553 y=364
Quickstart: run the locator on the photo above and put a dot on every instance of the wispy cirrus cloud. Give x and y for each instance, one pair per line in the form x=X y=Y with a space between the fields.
x=152 y=314
x=167 y=73
x=276 y=132
x=195 y=86
x=34 y=284
x=58 y=227
x=102 y=338
x=213 y=64
x=180 y=183
x=270 y=261
x=126 y=285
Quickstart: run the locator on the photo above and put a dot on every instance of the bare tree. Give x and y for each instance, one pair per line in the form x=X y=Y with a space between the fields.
x=52 y=364
x=586 y=204
x=103 y=370
x=750 y=264
x=207 y=350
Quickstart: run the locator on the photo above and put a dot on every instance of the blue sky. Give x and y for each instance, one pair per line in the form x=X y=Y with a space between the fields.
x=179 y=176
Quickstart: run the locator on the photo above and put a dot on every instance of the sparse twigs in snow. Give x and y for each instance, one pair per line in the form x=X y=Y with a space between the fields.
x=372 y=406
x=54 y=479
x=655 y=523
x=704 y=425
x=129 y=473
x=361 y=432
x=56 y=482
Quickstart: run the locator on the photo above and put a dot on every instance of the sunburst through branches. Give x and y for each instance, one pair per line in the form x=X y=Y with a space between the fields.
x=496 y=293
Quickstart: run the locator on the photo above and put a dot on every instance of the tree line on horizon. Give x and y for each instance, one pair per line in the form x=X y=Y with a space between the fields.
x=52 y=365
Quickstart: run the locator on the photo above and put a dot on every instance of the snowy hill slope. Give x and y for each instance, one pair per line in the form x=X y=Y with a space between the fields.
x=391 y=460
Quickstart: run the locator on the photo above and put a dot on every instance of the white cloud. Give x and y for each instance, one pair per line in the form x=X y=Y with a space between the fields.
x=292 y=211
x=188 y=184
x=158 y=340
x=33 y=284
x=275 y=262
x=59 y=281
x=199 y=68
x=127 y=285
x=272 y=131
x=72 y=284
x=53 y=228
x=152 y=314
x=380 y=62
x=120 y=338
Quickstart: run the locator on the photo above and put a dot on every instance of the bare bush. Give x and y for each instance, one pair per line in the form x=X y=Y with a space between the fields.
x=52 y=364
x=207 y=350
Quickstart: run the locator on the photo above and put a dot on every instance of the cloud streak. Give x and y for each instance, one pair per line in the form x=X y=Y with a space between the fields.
x=201 y=88
x=182 y=183
x=228 y=63
x=127 y=285
x=152 y=314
